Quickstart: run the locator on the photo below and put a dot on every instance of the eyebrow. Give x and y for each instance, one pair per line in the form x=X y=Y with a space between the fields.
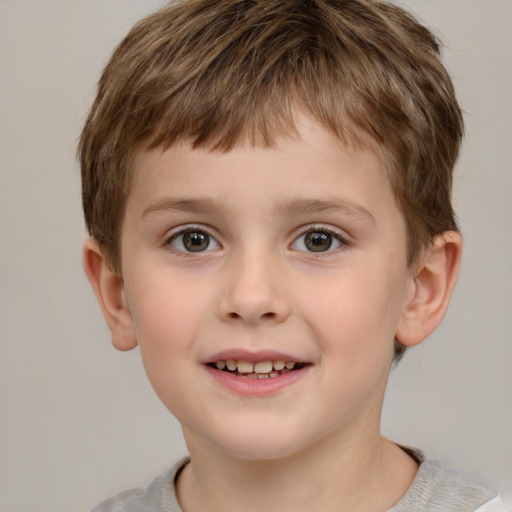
x=290 y=207
x=342 y=206
x=199 y=205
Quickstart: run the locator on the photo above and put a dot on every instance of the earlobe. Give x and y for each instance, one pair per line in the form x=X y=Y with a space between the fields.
x=108 y=288
x=431 y=289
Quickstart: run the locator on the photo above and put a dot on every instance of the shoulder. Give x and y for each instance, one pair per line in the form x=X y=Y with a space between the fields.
x=127 y=501
x=495 y=505
x=158 y=496
x=438 y=488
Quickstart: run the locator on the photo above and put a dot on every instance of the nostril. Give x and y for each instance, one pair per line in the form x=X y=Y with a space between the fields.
x=233 y=315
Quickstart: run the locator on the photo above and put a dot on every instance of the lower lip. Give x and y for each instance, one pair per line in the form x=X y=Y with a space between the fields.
x=257 y=387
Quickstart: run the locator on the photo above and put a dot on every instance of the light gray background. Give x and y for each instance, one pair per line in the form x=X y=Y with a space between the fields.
x=78 y=421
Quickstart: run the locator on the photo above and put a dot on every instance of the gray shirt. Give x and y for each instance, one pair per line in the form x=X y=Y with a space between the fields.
x=435 y=489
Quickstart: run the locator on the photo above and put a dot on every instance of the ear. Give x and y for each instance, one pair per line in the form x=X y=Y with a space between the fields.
x=431 y=288
x=108 y=287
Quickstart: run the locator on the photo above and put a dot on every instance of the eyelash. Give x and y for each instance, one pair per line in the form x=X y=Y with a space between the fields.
x=336 y=236
x=340 y=240
x=190 y=229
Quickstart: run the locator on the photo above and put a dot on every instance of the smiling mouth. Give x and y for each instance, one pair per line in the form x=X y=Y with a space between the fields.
x=259 y=370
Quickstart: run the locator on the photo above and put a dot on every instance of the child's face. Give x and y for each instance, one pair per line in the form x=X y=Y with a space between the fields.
x=296 y=253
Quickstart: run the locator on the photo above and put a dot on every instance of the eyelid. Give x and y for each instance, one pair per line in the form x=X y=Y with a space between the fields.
x=337 y=234
x=187 y=228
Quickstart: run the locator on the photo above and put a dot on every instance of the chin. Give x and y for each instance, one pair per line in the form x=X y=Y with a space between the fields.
x=260 y=451
x=260 y=443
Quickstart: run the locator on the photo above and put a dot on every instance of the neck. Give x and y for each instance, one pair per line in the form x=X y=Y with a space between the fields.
x=332 y=475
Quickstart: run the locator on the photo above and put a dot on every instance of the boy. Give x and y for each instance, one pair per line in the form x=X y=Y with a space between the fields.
x=267 y=186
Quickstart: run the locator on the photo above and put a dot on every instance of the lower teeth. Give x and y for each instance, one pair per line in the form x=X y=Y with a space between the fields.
x=270 y=375
x=257 y=375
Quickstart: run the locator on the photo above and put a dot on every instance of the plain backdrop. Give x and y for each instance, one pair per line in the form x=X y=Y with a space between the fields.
x=78 y=420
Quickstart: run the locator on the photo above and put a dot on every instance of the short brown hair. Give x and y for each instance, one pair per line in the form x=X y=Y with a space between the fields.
x=219 y=72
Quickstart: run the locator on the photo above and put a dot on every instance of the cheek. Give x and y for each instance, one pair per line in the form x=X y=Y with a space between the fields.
x=165 y=330
x=162 y=319
x=165 y=303
x=166 y=315
x=356 y=314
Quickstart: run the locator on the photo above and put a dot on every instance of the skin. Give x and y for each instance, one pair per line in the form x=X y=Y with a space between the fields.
x=314 y=444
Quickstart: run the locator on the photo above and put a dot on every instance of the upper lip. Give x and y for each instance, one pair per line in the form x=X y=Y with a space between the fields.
x=252 y=357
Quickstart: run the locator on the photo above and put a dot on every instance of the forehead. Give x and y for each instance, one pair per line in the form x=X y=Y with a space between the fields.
x=307 y=141
x=278 y=130
x=310 y=147
x=307 y=173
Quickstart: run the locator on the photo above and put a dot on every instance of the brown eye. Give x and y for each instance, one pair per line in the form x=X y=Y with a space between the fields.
x=318 y=241
x=194 y=241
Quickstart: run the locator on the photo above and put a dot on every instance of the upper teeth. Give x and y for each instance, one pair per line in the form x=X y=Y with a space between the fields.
x=259 y=367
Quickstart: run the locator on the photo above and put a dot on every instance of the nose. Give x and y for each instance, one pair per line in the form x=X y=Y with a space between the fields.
x=253 y=292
